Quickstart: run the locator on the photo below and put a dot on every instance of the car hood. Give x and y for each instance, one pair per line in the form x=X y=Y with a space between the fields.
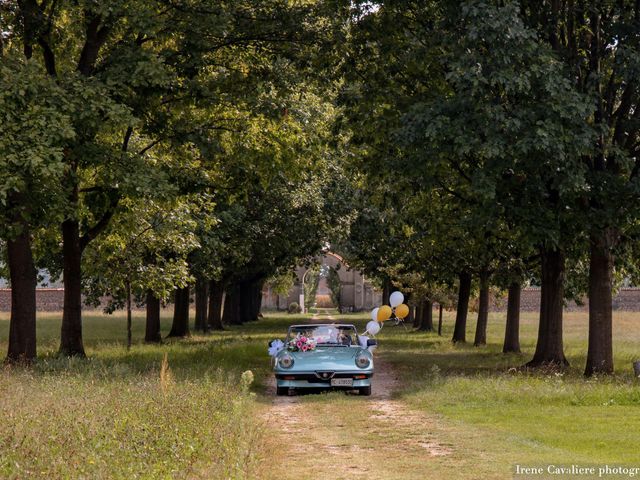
x=326 y=358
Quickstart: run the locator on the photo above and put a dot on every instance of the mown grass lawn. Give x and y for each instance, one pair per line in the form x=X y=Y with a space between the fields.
x=528 y=417
x=118 y=415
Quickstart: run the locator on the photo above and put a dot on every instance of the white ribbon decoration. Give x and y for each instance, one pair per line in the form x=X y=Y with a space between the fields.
x=276 y=347
x=363 y=343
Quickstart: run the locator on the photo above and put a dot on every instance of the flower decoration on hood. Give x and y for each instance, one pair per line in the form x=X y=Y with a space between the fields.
x=301 y=343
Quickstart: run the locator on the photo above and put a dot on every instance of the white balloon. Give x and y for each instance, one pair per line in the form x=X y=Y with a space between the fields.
x=373 y=327
x=396 y=299
x=374 y=314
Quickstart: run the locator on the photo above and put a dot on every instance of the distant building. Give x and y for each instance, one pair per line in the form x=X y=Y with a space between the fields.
x=356 y=293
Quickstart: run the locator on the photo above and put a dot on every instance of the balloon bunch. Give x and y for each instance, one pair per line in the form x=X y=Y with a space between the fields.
x=379 y=315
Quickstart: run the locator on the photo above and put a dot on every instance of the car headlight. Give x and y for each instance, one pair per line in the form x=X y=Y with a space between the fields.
x=286 y=361
x=362 y=360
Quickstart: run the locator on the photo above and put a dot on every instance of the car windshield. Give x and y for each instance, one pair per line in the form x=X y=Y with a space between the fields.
x=332 y=335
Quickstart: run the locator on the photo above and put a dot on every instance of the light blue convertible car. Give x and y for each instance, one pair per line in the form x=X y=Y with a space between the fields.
x=324 y=356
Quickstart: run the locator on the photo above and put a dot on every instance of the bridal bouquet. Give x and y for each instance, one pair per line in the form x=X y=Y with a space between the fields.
x=301 y=343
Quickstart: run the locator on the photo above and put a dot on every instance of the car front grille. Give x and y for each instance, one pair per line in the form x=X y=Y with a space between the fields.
x=317 y=377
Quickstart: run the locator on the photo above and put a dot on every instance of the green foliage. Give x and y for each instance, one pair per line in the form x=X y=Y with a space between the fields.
x=602 y=62
x=36 y=125
x=311 y=281
x=294 y=308
x=277 y=194
x=335 y=286
x=470 y=142
x=165 y=101
x=146 y=248
x=282 y=284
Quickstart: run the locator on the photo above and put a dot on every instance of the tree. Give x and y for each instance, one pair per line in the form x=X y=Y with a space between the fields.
x=143 y=253
x=281 y=284
x=276 y=199
x=599 y=46
x=470 y=103
x=335 y=286
x=512 y=329
x=142 y=64
x=180 y=325
x=216 y=292
x=310 y=286
x=35 y=128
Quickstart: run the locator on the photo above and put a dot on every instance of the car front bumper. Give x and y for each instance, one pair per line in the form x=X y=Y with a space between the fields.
x=315 y=380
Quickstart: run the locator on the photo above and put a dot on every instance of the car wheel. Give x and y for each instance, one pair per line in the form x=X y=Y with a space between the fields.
x=366 y=391
x=281 y=391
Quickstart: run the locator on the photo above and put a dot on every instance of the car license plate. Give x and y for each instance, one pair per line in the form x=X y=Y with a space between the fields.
x=342 y=382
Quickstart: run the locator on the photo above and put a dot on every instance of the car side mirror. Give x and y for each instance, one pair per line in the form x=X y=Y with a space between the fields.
x=371 y=342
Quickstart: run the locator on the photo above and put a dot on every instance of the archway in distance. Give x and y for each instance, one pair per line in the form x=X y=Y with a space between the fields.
x=356 y=293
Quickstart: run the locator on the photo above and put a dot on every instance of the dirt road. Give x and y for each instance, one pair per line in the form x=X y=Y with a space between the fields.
x=338 y=435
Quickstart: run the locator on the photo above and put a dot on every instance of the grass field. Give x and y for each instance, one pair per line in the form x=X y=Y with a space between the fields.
x=121 y=414
x=533 y=417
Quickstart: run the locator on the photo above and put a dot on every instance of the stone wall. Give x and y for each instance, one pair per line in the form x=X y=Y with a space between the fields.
x=628 y=299
x=50 y=300
x=47 y=299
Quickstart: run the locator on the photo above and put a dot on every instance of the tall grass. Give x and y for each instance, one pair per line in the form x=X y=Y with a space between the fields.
x=96 y=426
x=178 y=410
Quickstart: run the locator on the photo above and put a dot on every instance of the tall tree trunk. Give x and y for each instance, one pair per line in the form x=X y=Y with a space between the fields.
x=152 y=329
x=71 y=331
x=248 y=301
x=244 y=300
x=512 y=331
x=418 y=316
x=439 y=319
x=386 y=290
x=251 y=315
x=483 y=310
x=258 y=299
x=600 y=352
x=460 y=328
x=180 y=326
x=202 y=293
x=549 y=348
x=22 y=272
x=426 y=323
x=231 y=313
x=129 y=336
x=216 y=290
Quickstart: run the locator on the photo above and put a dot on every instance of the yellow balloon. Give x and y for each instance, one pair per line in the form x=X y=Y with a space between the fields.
x=384 y=313
x=402 y=310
